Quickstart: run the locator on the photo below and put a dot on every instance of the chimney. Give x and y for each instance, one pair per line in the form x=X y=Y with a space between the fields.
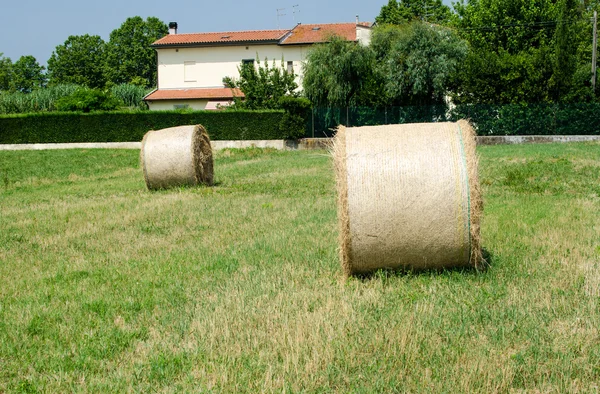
x=172 y=27
x=357 y=19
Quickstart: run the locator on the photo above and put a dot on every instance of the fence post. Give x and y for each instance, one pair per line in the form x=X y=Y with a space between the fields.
x=347 y=119
x=313 y=122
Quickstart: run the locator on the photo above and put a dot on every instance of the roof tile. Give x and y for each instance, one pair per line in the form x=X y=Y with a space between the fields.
x=183 y=94
x=221 y=37
x=315 y=33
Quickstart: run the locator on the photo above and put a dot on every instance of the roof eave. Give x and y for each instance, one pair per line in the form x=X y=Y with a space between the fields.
x=310 y=43
x=214 y=44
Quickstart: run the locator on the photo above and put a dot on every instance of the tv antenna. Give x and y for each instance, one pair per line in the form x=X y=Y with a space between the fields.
x=279 y=14
x=296 y=10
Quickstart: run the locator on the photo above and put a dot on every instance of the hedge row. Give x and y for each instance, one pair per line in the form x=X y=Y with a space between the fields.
x=533 y=119
x=509 y=119
x=64 y=127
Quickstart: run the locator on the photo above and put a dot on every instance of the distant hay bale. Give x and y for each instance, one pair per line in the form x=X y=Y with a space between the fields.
x=177 y=156
x=408 y=196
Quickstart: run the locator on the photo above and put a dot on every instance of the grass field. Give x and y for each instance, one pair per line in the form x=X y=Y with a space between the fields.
x=106 y=287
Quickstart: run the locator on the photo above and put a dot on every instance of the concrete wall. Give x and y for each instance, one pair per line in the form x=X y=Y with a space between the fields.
x=181 y=68
x=303 y=144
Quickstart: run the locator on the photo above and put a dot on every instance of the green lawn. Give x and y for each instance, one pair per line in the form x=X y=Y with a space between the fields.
x=106 y=287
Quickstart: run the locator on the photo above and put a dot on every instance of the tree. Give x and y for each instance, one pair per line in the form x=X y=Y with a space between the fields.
x=263 y=87
x=78 y=61
x=403 y=11
x=87 y=100
x=5 y=72
x=420 y=63
x=565 y=64
x=28 y=75
x=128 y=52
x=525 y=51
x=507 y=25
x=336 y=73
x=271 y=88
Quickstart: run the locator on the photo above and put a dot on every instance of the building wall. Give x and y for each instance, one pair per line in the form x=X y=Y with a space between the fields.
x=169 y=105
x=180 y=68
x=363 y=35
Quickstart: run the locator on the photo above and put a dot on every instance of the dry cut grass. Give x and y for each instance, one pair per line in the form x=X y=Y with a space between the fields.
x=237 y=288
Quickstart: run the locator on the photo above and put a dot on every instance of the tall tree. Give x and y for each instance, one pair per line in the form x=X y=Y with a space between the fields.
x=402 y=11
x=418 y=65
x=79 y=60
x=128 y=52
x=507 y=25
x=5 y=72
x=28 y=75
x=511 y=50
x=336 y=73
x=565 y=63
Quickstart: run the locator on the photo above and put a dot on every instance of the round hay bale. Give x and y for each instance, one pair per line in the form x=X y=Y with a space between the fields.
x=408 y=196
x=177 y=156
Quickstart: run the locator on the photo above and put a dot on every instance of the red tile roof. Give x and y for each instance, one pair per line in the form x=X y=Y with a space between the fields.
x=183 y=94
x=301 y=34
x=221 y=37
x=310 y=34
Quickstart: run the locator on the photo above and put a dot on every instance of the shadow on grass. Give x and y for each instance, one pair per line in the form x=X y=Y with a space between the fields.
x=183 y=187
x=488 y=259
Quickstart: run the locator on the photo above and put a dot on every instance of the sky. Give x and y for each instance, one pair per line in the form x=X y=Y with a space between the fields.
x=37 y=27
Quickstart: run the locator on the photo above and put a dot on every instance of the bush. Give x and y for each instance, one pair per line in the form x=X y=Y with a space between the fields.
x=131 y=95
x=532 y=119
x=86 y=100
x=121 y=126
x=294 y=122
x=40 y=100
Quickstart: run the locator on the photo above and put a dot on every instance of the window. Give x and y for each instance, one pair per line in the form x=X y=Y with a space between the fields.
x=247 y=61
x=181 y=106
x=189 y=71
x=290 y=67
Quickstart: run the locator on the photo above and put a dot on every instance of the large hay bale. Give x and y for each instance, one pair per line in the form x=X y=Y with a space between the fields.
x=177 y=156
x=408 y=196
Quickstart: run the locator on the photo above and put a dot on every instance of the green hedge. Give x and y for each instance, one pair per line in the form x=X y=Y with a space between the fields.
x=55 y=127
x=533 y=119
x=507 y=119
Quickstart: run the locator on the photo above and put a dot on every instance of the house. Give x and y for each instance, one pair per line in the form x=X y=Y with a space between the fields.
x=191 y=67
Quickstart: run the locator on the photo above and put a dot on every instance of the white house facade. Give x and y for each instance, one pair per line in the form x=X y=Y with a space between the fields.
x=191 y=67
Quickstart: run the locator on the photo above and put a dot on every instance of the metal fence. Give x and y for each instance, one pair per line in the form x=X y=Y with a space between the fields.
x=507 y=119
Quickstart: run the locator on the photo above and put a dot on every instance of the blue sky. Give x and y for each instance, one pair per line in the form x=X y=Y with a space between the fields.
x=37 y=27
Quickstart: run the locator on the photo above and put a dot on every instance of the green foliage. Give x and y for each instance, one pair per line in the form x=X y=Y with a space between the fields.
x=489 y=77
x=335 y=73
x=78 y=61
x=129 y=57
x=403 y=11
x=28 y=75
x=297 y=112
x=131 y=126
x=532 y=119
x=565 y=63
x=131 y=95
x=524 y=51
x=420 y=62
x=408 y=65
x=5 y=73
x=263 y=87
x=86 y=100
x=507 y=25
x=40 y=100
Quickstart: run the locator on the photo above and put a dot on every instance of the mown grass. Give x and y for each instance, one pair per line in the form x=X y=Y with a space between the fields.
x=237 y=288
